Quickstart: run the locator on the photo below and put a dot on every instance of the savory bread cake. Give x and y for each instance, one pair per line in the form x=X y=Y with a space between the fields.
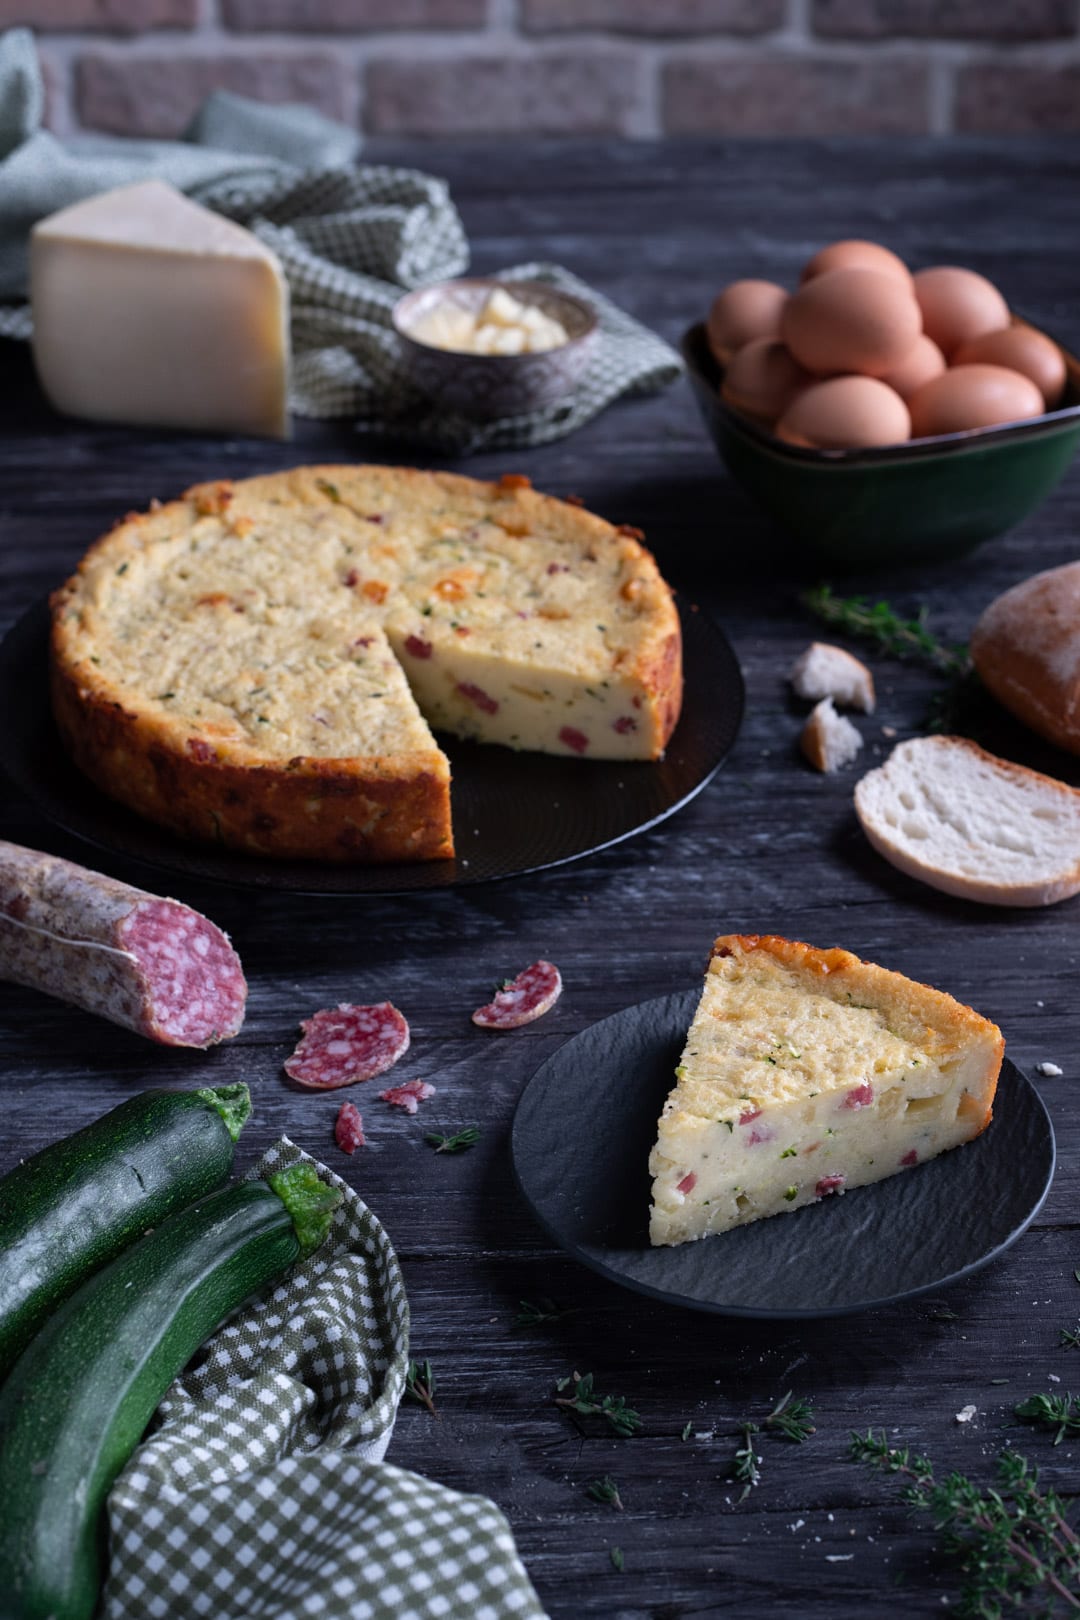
x=258 y=663
x=807 y=1072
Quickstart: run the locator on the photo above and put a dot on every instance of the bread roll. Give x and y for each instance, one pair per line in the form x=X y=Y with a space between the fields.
x=1026 y=648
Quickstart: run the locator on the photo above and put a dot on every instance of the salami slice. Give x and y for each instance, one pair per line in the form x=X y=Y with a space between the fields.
x=344 y=1044
x=152 y=965
x=349 y=1129
x=409 y=1096
x=533 y=993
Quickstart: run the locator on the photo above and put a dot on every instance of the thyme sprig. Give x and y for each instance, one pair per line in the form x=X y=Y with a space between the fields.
x=605 y=1490
x=467 y=1137
x=892 y=634
x=420 y=1385
x=1012 y=1542
x=584 y=1400
x=1070 y=1338
x=1060 y=1412
x=532 y=1313
x=747 y=1462
x=790 y=1417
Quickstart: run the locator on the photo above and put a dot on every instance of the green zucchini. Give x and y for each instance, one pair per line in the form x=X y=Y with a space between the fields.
x=76 y=1204
x=78 y=1400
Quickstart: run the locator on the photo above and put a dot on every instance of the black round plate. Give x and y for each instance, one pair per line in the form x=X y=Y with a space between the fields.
x=589 y=1187
x=513 y=813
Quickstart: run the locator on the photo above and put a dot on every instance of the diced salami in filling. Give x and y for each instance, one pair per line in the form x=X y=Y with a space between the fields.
x=344 y=1044
x=533 y=993
x=194 y=985
x=477 y=695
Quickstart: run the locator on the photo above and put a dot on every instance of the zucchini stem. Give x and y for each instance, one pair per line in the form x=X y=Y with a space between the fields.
x=233 y=1103
x=309 y=1201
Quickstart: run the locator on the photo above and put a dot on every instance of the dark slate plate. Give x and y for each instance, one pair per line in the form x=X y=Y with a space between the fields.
x=513 y=813
x=588 y=1184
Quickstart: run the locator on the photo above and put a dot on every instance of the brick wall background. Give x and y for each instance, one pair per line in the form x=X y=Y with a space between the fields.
x=564 y=67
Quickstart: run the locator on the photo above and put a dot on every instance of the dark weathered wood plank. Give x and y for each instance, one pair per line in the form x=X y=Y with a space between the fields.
x=768 y=846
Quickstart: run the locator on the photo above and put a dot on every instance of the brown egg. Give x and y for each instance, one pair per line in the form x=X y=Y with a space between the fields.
x=850 y=320
x=972 y=396
x=922 y=361
x=846 y=413
x=762 y=380
x=743 y=312
x=856 y=255
x=1023 y=349
x=957 y=306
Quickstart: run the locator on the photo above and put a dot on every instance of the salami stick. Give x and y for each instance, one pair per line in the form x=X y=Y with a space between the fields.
x=153 y=965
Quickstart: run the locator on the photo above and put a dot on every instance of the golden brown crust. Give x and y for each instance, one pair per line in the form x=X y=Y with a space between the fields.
x=1026 y=648
x=945 y=1020
x=220 y=788
x=318 y=809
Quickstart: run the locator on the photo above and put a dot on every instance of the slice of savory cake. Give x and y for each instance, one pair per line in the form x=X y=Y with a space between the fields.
x=807 y=1072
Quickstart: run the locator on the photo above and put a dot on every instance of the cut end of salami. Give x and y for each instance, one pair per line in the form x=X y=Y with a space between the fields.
x=533 y=993
x=194 y=990
x=344 y=1044
x=349 y=1129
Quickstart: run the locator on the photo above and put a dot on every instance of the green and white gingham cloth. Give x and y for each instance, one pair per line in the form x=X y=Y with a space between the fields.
x=351 y=239
x=262 y=1493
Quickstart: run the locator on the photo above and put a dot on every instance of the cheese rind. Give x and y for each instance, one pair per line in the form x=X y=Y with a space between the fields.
x=150 y=309
x=807 y=1073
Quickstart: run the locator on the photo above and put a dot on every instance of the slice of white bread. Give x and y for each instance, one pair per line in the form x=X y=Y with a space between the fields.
x=807 y=1072
x=1026 y=648
x=825 y=671
x=945 y=811
x=829 y=740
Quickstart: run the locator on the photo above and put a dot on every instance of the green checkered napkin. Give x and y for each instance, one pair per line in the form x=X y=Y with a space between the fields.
x=261 y=1493
x=351 y=239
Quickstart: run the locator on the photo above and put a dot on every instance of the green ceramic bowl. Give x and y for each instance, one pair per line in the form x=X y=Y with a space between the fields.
x=926 y=498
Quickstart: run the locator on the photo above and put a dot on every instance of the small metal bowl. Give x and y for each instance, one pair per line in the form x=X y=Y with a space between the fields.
x=487 y=386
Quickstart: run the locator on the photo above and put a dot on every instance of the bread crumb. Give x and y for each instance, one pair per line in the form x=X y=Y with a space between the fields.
x=1050 y=1070
x=965 y=1414
x=829 y=740
x=825 y=671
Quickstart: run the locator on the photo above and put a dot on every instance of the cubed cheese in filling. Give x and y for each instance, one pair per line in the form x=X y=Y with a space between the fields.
x=807 y=1073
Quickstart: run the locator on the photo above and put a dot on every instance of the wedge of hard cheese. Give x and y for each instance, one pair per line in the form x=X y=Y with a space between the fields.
x=152 y=310
x=807 y=1072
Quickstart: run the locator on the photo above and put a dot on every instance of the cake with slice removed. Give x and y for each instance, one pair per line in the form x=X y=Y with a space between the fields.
x=807 y=1072
x=257 y=665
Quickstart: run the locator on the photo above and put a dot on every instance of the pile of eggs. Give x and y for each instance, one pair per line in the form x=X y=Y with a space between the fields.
x=864 y=353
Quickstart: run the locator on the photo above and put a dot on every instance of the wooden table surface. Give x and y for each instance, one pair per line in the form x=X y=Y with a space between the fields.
x=769 y=846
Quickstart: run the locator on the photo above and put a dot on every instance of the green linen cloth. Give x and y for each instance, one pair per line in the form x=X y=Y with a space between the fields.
x=262 y=1494
x=351 y=239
